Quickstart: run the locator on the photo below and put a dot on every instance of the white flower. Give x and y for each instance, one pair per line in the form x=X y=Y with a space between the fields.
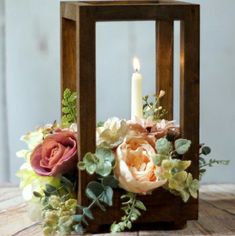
x=34 y=209
x=33 y=139
x=112 y=133
x=73 y=128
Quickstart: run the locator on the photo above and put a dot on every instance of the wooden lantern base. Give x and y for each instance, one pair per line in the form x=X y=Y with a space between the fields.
x=78 y=46
x=164 y=211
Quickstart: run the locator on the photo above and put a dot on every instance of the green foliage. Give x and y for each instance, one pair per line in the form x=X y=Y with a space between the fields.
x=152 y=108
x=204 y=163
x=110 y=181
x=163 y=146
x=179 y=182
x=182 y=146
x=59 y=206
x=69 y=108
x=98 y=194
x=131 y=207
x=100 y=124
x=100 y=162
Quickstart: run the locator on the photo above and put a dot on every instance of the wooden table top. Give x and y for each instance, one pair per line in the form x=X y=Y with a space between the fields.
x=216 y=214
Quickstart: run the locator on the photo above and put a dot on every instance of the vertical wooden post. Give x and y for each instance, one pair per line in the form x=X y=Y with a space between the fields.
x=68 y=54
x=86 y=84
x=165 y=66
x=189 y=84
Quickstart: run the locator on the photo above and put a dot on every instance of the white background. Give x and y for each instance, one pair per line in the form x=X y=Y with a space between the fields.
x=32 y=74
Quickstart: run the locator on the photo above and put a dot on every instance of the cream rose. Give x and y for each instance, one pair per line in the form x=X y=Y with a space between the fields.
x=112 y=133
x=135 y=169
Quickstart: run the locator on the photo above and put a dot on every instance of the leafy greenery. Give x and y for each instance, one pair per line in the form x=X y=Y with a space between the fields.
x=131 y=207
x=59 y=206
x=204 y=163
x=69 y=108
x=98 y=193
x=179 y=182
x=182 y=146
x=152 y=107
x=101 y=162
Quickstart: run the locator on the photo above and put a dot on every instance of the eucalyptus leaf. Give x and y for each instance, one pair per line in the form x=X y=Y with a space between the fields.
x=87 y=212
x=206 y=150
x=77 y=218
x=107 y=196
x=182 y=146
x=105 y=154
x=104 y=168
x=111 y=181
x=94 y=190
x=81 y=165
x=163 y=146
x=79 y=229
x=91 y=168
x=158 y=158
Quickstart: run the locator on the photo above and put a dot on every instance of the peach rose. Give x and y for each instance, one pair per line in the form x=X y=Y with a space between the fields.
x=56 y=155
x=135 y=169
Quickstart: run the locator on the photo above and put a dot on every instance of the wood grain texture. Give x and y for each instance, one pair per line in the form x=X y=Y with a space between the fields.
x=82 y=77
x=165 y=63
x=86 y=84
x=216 y=215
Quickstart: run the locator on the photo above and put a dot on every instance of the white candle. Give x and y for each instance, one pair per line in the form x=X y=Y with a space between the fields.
x=136 y=92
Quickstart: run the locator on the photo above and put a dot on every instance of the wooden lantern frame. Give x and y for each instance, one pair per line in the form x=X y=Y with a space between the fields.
x=78 y=63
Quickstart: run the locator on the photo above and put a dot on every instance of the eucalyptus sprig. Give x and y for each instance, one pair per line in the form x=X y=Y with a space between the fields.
x=98 y=193
x=131 y=207
x=204 y=163
x=101 y=162
x=69 y=108
x=152 y=107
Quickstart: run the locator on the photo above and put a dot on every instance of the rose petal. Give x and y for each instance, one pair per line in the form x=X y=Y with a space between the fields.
x=56 y=155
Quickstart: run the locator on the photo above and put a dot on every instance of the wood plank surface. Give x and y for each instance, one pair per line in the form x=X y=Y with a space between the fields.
x=216 y=214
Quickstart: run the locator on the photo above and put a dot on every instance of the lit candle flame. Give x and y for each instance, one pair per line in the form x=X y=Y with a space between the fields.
x=136 y=64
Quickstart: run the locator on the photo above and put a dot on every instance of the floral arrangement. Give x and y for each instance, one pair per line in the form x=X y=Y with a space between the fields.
x=138 y=156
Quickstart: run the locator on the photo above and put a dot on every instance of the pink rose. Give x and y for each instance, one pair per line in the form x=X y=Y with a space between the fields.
x=135 y=169
x=56 y=155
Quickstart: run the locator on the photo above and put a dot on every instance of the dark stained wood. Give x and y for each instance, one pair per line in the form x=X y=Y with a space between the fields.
x=68 y=55
x=165 y=66
x=86 y=85
x=163 y=206
x=189 y=84
x=128 y=2
x=216 y=215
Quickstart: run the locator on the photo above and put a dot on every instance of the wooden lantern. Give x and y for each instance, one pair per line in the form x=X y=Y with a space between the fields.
x=78 y=47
